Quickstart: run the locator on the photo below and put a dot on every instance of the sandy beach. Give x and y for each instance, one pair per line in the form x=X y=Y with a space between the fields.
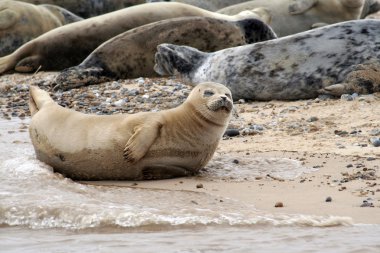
x=336 y=138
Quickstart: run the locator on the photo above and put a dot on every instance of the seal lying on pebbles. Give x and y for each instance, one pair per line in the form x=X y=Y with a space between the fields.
x=69 y=45
x=21 y=22
x=131 y=54
x=294 y=67
x=294 y=16
x=146 y=145
x=89 y=8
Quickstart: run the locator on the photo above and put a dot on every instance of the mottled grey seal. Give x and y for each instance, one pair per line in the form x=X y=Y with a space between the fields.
x=335 y=59
x=294 y=16
x=211 y=5
x=69 y=45
x=21 y=22
x=131 y=54
x=145 y=145
x=89 y=8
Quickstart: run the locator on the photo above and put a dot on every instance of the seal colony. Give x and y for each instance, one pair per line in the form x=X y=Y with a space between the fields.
x=21 y=22
x=131 y=54
x=69 y=45
x=146 y=145
x=294 y=16
x=335 y=59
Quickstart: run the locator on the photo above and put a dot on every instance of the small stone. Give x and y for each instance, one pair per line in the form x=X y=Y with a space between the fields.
x=328 y=199
x=371 y=158
x=375 y=141
x=199 y=186
x=279 y=204
x=349 y=165
x=257 y=127
x=347 y=97
x=312 y=119
x=119 y=103
x=232 y=132
x=366 y=204
x=374 y=132
x=235 y=161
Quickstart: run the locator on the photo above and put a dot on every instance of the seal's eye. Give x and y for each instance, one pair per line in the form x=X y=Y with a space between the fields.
x=208 y=93
x=228 y=95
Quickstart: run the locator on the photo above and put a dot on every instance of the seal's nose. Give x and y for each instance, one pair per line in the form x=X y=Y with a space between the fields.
x=224 y=98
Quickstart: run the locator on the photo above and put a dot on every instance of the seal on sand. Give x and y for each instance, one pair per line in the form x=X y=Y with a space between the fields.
x=146 y=145
x=300 y=66
x=294 y=16
x=131 y=54
x=69 y=45
x=21 y=22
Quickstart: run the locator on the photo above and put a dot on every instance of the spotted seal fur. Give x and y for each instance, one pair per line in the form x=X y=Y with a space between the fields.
x=300 y=66
x=131 y=54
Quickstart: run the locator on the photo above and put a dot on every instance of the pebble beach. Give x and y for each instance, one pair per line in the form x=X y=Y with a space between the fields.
x=336 y=138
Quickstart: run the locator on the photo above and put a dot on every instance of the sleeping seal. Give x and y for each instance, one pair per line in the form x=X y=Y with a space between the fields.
x=336 y=59
x=69 y=45
x=131 y=54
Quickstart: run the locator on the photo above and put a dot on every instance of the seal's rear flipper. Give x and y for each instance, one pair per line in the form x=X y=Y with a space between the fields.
x=78 y=76
x=363 y=79
x=37 y=99
x=171 y=59
x=28 y=64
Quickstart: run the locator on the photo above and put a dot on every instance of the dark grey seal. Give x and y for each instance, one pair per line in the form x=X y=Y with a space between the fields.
x=336 y=59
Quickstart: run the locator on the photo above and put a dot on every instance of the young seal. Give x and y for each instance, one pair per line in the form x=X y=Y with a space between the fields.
x=21 y=22
x=146 y=145
x=131 y=54
x=293 y=67
x=294 y=16
x=89 y=8
x=69 y=45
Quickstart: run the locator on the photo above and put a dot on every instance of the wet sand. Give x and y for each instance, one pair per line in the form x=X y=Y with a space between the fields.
x=332 y=135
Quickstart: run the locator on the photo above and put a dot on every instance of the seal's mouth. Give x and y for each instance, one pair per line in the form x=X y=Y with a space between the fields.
x=221 y=106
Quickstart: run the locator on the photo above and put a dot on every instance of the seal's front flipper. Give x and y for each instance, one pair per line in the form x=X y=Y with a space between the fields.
x=335 y=90
x=140 y=142
x=171 y=59
x=28 y=64
x=164 y=172
x=78 y=76
x=301 y=6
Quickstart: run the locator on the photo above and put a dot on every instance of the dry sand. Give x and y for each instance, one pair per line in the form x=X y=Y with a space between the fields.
x=330 y=135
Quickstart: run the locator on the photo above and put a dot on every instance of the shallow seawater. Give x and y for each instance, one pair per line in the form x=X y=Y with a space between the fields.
x=41 y=211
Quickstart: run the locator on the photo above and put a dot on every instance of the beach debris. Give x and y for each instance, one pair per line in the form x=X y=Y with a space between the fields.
x=199 y=186
x=279 y=204
x=328 y=199
x=232 y=132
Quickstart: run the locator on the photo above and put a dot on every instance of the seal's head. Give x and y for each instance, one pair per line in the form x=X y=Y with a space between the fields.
x=213 y=101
